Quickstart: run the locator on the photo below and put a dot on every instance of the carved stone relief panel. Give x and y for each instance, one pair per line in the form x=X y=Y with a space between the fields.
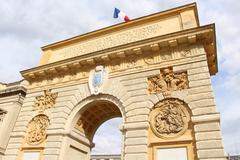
x=45 y=101
x=2 y=114
x=80 y=125
x=36 y=131
x=167 y=81
x=169 y=118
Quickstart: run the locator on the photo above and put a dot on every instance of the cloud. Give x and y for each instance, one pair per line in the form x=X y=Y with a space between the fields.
x=108 y=138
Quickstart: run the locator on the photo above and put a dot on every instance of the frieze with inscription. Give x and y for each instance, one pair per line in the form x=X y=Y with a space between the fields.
x=123 y=37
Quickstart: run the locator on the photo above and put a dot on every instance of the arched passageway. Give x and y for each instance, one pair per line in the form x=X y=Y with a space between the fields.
x=89 y=117
x=108 y=138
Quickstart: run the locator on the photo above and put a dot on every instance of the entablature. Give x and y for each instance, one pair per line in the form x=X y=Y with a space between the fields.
x=145 y=49
x=13 y=89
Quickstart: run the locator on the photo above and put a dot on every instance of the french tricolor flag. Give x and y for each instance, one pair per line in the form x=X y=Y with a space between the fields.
x=118 y=13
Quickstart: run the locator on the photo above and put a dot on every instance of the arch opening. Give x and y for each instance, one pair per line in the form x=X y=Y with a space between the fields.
x=107 y=139
x=85 y=120
x=94 y=114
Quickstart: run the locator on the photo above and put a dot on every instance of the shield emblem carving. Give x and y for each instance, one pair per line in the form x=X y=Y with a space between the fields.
x=96 y=79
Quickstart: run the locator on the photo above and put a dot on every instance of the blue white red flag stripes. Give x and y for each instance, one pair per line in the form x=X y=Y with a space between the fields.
x=117 y=13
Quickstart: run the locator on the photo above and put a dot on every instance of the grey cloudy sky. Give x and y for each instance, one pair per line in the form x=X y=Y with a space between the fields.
x=25 y=26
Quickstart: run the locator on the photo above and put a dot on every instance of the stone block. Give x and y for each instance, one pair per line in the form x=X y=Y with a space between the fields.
x=9 y=157
x=136 y=125
x=53 y=144
x=138 y=111
x=202 y=89
x=136 y=149
x=214 y=135
x=193 y=71
x=199 y=76
x=51 y=151
x=212 y=126
x=50 y=157
x=137 y=86
x=137 y=118
x=136 y=133
x=210 y=153
x=206 y=118
x=131 y=82
x=205 y=110
x=202 y=103
x=136 y=141
x=199 y=83
x=134 y=106
x=209 y=144
x=200 y=96
x=141 y=156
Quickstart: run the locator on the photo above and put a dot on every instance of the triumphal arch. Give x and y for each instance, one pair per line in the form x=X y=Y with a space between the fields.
x=153 y=71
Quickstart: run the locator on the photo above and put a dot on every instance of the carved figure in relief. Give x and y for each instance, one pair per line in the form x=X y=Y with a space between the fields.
x=45 y=101
x=169 y=118
x=2 y=114
x=36 y=132
x=80 y=125
x=167 y=81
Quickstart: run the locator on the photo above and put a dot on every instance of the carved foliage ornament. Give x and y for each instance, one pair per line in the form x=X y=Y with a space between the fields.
x=36 y=131
x=167 y=81
x=45 y=101
x=169 y=118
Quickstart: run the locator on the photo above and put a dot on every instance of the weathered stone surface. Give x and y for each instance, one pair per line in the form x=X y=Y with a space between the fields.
x=214 y=135
x=212 y=126
x=210 y=153
x=153 y=61
x=209 y=144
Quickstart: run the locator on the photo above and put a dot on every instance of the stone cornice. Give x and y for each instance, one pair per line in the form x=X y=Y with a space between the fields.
x=204 y=35
x=13 y=91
